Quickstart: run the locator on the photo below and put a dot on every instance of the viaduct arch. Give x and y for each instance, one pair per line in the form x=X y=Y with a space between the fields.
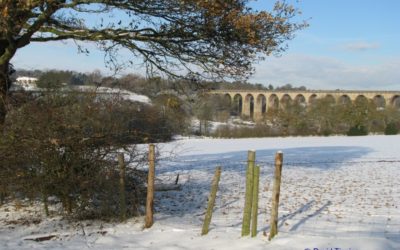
x=254 y=103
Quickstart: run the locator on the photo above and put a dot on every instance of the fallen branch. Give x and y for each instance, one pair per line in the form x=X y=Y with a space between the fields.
x=42 y=238
x=167 y=187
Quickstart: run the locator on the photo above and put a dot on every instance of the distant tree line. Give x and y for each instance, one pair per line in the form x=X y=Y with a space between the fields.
x=322 y=117
x=138 y=83
x=238 y=85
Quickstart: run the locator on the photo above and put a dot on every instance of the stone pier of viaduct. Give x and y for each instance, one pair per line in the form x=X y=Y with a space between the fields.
x=254 y=103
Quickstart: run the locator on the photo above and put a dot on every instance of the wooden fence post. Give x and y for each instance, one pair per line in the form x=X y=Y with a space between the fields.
x=211 y=201
x=122 y=199
x=45 y=203
x=275 y=195
x=249 y=191
x=254 y=212
x=150 y=188
x=2 y=198
x=2 y=195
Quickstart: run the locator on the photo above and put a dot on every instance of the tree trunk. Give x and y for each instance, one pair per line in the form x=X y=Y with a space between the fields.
x=5 y=82
x=4 y=86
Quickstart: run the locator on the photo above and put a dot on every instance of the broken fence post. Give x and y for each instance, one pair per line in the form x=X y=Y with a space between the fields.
x=122 y=196
x=150 y=188
x=254 y=212
x=249 y=191
x=275 y=195
x=211 y=201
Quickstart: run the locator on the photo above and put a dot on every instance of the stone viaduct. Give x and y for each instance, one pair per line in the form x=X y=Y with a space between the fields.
x=254 y=103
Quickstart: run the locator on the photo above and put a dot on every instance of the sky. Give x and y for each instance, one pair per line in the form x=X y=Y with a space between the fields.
x=349 y=44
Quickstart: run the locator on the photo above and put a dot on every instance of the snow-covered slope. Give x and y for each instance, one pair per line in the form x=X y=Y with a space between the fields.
x=124 y=94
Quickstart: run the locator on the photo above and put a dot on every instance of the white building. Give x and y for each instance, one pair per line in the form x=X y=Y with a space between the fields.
x=26 y=82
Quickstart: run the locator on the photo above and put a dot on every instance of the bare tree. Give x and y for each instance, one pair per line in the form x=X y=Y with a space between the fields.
x=213 y=38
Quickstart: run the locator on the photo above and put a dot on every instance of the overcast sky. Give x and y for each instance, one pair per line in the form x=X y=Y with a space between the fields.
x=350 y=44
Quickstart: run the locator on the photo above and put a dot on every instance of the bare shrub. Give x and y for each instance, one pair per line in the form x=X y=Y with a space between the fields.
x=64 y=146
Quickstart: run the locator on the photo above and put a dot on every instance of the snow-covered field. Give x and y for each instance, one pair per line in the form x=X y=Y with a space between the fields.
x=124 y=94
x=337 y=193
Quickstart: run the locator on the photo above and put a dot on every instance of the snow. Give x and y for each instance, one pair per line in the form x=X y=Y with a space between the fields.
x=212 y=126
x=125 y=94
x=337 y=193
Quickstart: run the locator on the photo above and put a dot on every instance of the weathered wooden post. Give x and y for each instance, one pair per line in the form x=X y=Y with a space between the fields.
x=254 y=212
x=45 y=203
x=2 y=199
x=2 y=196
x=275 y=195
x=249 y=193
x=150 y=188
x=211 y=201
x=122 y=199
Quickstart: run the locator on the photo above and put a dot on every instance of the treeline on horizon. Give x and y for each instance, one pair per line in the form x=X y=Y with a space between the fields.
x=138 y=83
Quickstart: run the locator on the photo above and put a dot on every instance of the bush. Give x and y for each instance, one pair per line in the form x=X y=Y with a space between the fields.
x=358 y=130
x=326 y=132
x=391 y=129
x=64 y=146
x=227 y=131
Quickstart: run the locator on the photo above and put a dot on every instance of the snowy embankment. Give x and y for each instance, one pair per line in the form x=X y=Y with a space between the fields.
x=124 y=94
x=116 y=92
x=337 y=192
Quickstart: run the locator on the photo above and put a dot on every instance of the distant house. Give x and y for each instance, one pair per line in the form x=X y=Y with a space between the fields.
x=26 y=82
